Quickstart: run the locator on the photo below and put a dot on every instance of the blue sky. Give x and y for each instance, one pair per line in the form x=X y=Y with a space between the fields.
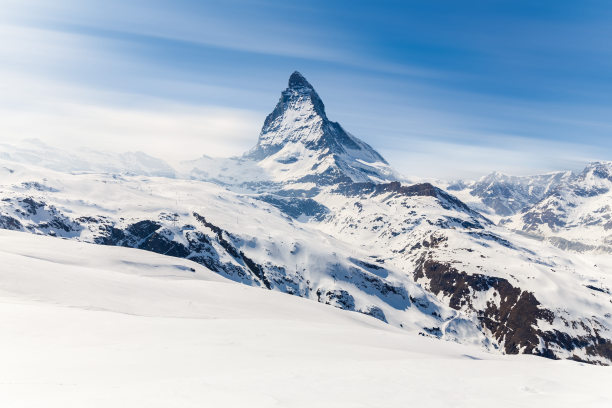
x=441 y=88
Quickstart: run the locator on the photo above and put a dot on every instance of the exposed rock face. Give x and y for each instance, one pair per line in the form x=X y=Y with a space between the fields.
x=338 y=298
x=512 y=315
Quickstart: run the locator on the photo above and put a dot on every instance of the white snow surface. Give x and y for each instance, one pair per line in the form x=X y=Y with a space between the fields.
x=96 y=326
x=267 y=236
x=334 y=254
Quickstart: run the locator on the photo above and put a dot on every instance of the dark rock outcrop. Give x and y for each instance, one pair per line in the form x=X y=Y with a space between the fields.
x=511 y=314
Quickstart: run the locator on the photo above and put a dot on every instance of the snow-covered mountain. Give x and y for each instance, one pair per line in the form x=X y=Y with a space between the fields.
x=298 y=143
x=576 y=215
x=266 y=240
x=571 y=210
x=299 y=148
x=501 y=195
x=314 y=212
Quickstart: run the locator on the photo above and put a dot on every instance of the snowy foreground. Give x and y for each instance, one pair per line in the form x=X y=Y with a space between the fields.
x=95 y=326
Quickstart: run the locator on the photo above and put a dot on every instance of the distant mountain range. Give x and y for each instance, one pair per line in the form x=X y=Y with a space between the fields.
x=571 y=210
x=512 y=264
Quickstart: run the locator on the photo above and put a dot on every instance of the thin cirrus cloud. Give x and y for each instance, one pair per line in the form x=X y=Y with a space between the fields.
x=427 y=84
x=40 y=102
x=208 y=25
x=68 y=117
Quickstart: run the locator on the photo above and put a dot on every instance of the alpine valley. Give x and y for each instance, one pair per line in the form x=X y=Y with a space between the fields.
x=512 y=265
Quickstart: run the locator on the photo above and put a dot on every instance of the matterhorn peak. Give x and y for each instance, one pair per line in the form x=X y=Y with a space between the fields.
x=299 y=142
x=297 y=81
x=299 y=102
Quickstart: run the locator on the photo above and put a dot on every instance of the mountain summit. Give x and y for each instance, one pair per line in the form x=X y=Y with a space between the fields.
x=297 y=80
x=299 y=143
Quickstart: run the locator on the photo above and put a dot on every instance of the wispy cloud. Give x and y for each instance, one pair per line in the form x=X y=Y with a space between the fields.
x=65 y=116
x=244 y=26
x=418 y=81
x=449 y=160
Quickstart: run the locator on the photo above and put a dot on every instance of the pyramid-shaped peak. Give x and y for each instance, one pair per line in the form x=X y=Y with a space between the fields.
x=299 y=99
x=297 y=80
x=299 y=142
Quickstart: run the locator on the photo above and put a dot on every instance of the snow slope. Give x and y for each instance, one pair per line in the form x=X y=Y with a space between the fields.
x=373 y=248
x=99 y=326
x=239 y=236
